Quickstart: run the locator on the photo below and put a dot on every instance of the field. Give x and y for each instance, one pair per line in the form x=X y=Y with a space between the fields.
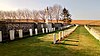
x=90 y=22
x=80 y=43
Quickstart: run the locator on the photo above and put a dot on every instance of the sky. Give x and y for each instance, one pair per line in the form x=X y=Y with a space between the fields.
x=79 y=9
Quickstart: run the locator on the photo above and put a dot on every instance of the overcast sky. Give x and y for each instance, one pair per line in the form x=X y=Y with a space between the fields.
x=80 y=9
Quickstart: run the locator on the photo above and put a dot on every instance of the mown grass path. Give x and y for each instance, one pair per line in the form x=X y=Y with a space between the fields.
x=80 y=43
x=86 y=44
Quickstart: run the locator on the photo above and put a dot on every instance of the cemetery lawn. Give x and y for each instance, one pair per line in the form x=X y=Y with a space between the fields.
x=80 y=43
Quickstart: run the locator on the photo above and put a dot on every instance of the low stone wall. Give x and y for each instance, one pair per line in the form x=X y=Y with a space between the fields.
x=93 y=32
x=24 y=28
x=58 y=25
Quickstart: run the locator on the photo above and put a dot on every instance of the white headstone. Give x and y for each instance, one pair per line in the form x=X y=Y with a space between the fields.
x=36 y=31
x=61 y=28
x=41 y=25
x=54 y=38
x=46 y=30
x=59 y=36
x=49 y=29
x=0 y=36
x=43 y=30
x=12 y=34
x=62 y=34
x=20 y=33
x=31 y=32
x=54 y=29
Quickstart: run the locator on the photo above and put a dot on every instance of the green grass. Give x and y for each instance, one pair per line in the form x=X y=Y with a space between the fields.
x=86 y=44
x=80 y=43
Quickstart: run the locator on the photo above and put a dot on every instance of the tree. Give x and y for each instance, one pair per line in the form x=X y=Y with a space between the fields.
x=67 y=16
x=19 y=14
x=51 y=14
x=54 y=13
x=57 y=10
x=35 y=15
x=2 y=15
x=27 y=14
x=42 y=15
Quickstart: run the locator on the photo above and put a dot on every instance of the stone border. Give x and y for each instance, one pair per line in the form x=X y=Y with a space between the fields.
x=92 y=32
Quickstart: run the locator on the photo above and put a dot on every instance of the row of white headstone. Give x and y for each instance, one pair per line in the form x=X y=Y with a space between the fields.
x=12 y=33
x=62 y=34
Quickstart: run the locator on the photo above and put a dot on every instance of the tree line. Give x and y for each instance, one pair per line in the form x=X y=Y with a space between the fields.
x=55 y=12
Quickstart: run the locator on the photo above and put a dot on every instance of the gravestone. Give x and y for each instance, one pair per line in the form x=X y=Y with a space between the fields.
x=12 y=34
x=46 y=30
x=49 y=26
x=20 y=33
x=41 y=25
x=0 y=36
x=54 y=38
x=54 y=29
x=43 y=30
x=49 y=29
x=31 y=33
x=36 y=31
x=59 y=35
x=62 y=34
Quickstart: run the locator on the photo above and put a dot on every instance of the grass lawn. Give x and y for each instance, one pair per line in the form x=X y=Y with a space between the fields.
x=86 y=44
x=80 y=43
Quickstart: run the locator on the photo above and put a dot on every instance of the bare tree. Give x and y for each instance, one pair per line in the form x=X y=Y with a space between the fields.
x=42 y=15
x=51 y=13
x=1 y=15
x=57 y=10
x=19 y=14
x=26 y=14
x=35 y=15
x=54 y=12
